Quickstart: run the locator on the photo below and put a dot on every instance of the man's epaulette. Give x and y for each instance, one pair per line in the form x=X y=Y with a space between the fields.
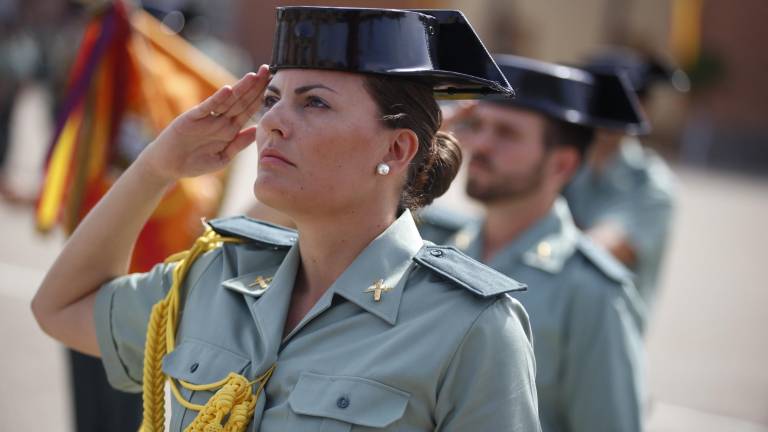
x=263 y=233
x=453 y=265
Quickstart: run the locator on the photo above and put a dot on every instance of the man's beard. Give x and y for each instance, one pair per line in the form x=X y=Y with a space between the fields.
x=504 y=187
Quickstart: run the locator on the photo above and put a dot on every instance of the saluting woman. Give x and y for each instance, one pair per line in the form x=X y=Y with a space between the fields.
x=351 y=322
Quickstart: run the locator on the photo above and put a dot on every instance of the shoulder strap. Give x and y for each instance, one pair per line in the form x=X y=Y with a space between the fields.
x=261 y=232
x=455 y=266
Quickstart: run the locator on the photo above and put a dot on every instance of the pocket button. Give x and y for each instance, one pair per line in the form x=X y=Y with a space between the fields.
x=342 y=402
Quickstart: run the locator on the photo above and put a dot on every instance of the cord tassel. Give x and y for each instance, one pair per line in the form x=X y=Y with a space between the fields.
x=231 y=407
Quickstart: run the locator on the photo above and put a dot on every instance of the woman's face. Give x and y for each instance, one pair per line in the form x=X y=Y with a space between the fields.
x=319 y=141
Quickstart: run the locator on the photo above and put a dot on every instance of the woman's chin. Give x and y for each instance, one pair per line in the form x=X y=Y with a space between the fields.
x=273 y=194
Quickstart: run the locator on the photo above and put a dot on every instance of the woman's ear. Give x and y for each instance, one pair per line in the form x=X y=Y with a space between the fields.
x=402 y=149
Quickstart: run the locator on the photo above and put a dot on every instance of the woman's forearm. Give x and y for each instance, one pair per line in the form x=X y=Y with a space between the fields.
x=99 y=250
x=195 y=143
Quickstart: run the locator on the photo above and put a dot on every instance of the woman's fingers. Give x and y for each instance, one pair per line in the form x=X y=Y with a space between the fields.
x=233 y=101
x=246 y=91
x=250 y=111
x=239 y=91
x=213 y=103
x=243 y=139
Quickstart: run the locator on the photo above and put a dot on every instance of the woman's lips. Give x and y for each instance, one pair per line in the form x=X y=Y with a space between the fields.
x=274 y=157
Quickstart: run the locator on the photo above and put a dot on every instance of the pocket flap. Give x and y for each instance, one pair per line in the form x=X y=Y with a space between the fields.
x=355 y=400
x=198 y=362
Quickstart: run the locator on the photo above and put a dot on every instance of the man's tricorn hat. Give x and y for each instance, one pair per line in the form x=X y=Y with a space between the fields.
x=592 y=99
x=643 y=70
x=436 y=46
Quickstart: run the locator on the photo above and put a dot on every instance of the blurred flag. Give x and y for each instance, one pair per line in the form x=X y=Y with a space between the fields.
x=132 y=76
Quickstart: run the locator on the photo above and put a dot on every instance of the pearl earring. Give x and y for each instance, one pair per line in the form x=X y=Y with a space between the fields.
x=382 y=169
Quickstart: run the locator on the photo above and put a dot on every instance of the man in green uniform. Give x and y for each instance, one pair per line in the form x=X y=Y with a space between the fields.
x=623 y=197
x=585 y=314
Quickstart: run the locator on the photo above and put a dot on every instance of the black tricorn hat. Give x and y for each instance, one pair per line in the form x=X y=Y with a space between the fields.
x=437 y=46
x=599 y=100
x=642 y=70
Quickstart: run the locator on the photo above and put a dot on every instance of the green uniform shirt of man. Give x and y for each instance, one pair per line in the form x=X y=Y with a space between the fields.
x=585 y=313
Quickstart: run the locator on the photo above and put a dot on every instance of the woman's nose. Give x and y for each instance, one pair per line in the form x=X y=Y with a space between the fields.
x=275 y=121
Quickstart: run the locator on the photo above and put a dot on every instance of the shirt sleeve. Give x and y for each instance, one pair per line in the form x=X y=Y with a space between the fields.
x=645 y=216
x=490 y=383
x=602 y=370
x=121 y=314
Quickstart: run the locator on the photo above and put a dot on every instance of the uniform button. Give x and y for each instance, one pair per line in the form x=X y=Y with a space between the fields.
x=342 y=402
x=194 y=367
x=436 y=253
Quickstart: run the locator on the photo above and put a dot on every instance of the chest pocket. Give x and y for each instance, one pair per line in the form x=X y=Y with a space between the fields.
x=339 y=403
x=198 y=362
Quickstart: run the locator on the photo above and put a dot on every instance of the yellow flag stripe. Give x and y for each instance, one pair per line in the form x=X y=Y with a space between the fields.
x=58 y=171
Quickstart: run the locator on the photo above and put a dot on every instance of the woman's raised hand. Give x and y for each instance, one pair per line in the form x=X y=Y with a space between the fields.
x=205 y=138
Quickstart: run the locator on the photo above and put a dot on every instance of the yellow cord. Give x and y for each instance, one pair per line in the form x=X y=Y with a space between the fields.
x=231 y=408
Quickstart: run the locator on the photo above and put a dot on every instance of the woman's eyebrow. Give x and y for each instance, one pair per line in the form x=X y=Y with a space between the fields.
x=273 y=89
x=306 y=88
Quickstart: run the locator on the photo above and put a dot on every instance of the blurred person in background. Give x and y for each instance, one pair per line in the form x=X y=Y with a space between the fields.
x=38 y=40
x=19 y=58
x=623 y=196
x=585 y=313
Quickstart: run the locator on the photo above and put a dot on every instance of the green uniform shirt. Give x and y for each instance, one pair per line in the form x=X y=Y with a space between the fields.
x=586 y=319
x=634 y=191
x=444 y=349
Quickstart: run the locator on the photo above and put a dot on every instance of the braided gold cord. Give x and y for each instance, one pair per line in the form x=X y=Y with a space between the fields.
x=231 y=408
x=154 y=379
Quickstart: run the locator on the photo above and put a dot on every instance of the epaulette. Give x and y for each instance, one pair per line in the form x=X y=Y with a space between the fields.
x=454 y=265
x=603 y=260
x=263 y=233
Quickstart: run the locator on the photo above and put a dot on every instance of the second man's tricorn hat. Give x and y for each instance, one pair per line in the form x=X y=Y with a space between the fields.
x=436 y=46
x=643 y=70
x=599 y=100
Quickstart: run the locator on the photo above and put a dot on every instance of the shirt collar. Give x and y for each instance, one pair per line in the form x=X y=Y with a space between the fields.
x=387 y=259
x=545 y=245
x=555 y=243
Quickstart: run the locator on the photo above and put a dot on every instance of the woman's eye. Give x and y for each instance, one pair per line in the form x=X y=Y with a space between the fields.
x=316 y=102
x=270 y=101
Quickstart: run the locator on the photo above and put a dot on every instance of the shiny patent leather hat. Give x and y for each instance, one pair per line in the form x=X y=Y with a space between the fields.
x=436 y=46
x=600 y=100
x=643 y=71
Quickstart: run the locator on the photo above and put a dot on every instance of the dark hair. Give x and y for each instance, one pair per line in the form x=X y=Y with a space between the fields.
x=410 y=104
x=558 y=133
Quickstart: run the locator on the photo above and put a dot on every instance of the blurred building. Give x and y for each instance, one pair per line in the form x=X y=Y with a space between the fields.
x=727 y=125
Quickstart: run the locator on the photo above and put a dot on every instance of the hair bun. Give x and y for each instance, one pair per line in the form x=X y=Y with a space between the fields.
x=440 y=167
